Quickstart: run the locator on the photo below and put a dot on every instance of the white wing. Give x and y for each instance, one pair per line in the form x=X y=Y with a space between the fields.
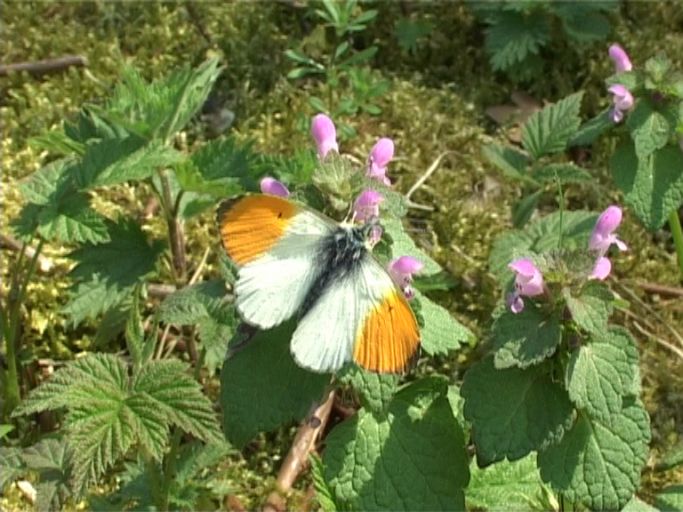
x=271 y=288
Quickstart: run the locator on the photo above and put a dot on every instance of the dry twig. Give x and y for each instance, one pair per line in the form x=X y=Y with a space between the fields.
x=42 y=67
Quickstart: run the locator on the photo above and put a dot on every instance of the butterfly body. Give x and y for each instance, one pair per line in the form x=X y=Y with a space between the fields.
x=294 y=261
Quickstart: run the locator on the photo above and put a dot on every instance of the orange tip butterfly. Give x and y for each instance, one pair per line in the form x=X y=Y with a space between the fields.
x=294 y=261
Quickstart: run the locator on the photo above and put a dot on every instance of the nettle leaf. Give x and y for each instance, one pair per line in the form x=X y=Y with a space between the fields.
x=252 y=403
x=108 y=411
x=92 y=298
x=193 y=303
x=221 y=168
x=592 y=308
x=72 y=220
x=653 y=186
x=162 y=108
x=549 y=130
x=403 y=245
x=215 y=332
x=12 y=467
x=601 y=372
x=410 y=458
x=592 y=129
x=541 y=236
x=525 y=338
x=509 y=161
x=113 y=161
x=439 y=331
x=670 y=499
x=506 y=486
x=514 y=36
x=513 y=412
x=565 y=172
x=598 y=463
x=50 y=182
x=376 y=390
x=650 y=129
x=51 y=459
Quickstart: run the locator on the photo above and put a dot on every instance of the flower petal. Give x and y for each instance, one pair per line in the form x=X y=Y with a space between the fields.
x=366 y=205
x=608 y=221
x=273 y=187
x=325 y=134
x=602 y=268
x=406 y=265
x=621 y=60
x=515 y=303
x=524 y=266
x=382 y=152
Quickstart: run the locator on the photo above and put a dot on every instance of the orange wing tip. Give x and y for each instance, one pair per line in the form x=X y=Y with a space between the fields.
x=389 y=339
x=251 y=225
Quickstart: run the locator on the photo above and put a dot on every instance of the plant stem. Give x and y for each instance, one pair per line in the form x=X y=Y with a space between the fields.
x=159 y=498
x=562 y=206
x=176 y=235
x=677 y=232
x=11 y=330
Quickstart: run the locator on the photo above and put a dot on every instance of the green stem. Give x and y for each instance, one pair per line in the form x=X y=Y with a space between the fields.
x=176 y=235
x=11 y=330
x=562 y=206
x=677 y=232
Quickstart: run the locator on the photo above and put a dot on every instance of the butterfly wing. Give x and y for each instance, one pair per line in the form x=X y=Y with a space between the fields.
x=363 y=317
x=275 y=242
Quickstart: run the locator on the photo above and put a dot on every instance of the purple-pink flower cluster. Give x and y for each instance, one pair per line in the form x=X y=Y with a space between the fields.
x=622 y=99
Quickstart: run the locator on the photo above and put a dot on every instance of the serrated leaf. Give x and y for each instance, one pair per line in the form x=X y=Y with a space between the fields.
x=601 y=373
x=253 y=404
x=113 y=161
x=592 y=129
x=511 y=162
x=439 y=331
x=12 y=466
x=214 y=333
x=91 y=298
x=597 y=464
x=523 y=210
x=51 y=459
x=650 y=129
x=515 y=36
x=513 y=412
x=505 y=486
x=653 y=187
x=410 y=458
x=525 y=338
x=49 y=183
x=586 y=27
x=108 y=411
x=549 y=130
x=72 y=220
x=670 y=499
x=592 y=308
x=403 y=245
x=540 y=236
x=191 y=304
x=565 y=172
x=375 y=389
x=322 y=491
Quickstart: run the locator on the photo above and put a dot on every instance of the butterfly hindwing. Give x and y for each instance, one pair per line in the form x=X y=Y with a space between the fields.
x=275 y=242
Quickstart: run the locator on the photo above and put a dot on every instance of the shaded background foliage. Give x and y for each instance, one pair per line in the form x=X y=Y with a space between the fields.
x=439 y=89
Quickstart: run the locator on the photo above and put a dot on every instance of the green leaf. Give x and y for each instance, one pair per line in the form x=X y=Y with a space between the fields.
x=91 y=298
x=592 y=308
x=513 y=412
x=586 y=27
x=602 y=372
x=410 y=458
x=12 y=466
x=541 y=236
x=638 y=505
x=653 y=186
x=50 y=183
x=509 y=161
x=214 y=332
x=253 y=404
x=592 y=129
x=565 y=172
x=72 y=220
x=191 y=304
x=549 y=130
x=650 y=129
x=108 y=411
x=439 y=331
x=524 y=209
x=51 y=459
x=505 y=486
x=375 y=389
x=514 y=37
x=323 y=493
x=403 y=245
x=597 y=463
x=526 y=338
x=670 y=499
x=113 y=161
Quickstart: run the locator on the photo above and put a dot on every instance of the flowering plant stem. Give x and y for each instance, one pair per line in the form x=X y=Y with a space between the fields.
x=11 y=329
x=677 y=232
x=176 y=236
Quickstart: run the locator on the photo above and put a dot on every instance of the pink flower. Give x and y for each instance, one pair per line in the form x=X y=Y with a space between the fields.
x=623 y=101
x=528 y=283
x=603 y=235
x=366 y=205
x=325 y=135
x=620 y=58
x=380 y=156
x=273 y=187
x=401 y=271
x=602 y=268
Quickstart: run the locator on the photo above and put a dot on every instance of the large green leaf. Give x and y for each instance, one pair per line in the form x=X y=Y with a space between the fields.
x=513 y=412
x=252 y=403
x=670 y=499
x=376 y=390
x=526 y=338
x=653 y=185
x=72 y=220
x=108 y=411
x=403 y=245
x=412 y=457
x=549 y=130
x=592 y=308
x=598 y=463
x=91 y=298
x=650 y=129
x=439 y=331
x=509 y=161
x=50 y=182
x=514 y=36
x=566 y=172
x=601 y=373
x=592 y=129
x=51 y=459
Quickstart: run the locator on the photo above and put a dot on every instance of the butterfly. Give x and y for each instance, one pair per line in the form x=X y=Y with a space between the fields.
x=295 y=261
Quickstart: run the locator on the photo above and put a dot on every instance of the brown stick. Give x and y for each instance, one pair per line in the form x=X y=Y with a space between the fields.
x=160 y=290
x=661 y=289
x=44 y=264
x=42 y=67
